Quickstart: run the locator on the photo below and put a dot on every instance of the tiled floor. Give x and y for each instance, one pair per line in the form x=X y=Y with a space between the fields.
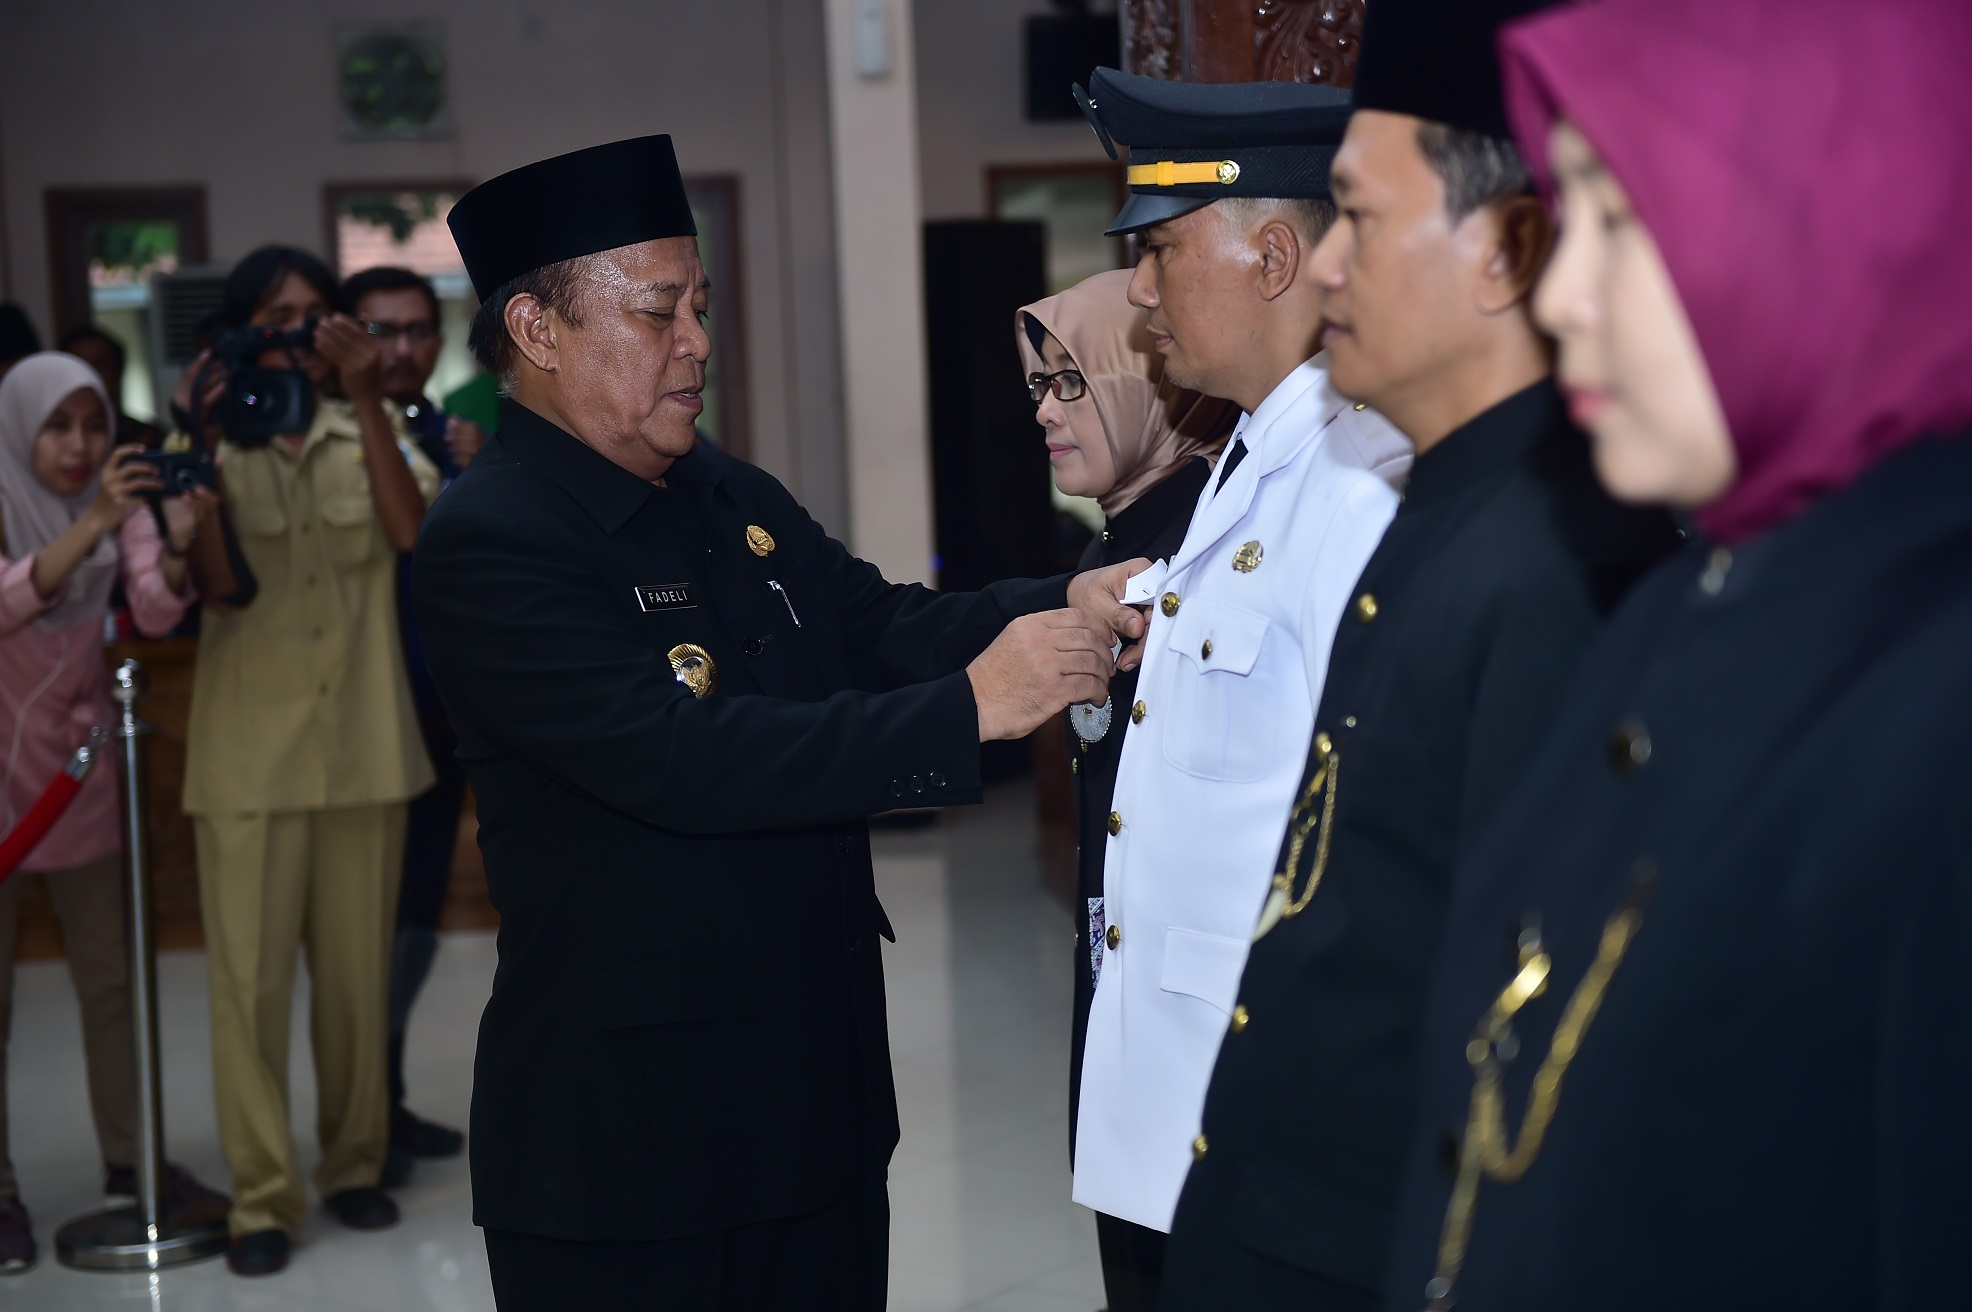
x=979 y=988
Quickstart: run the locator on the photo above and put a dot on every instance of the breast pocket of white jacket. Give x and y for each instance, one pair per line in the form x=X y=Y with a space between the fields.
x=1221 y=724
x=1203 y=966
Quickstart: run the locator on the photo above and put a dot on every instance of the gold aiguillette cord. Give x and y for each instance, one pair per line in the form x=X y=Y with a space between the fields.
x=1485 y=1153
x=1282 y=901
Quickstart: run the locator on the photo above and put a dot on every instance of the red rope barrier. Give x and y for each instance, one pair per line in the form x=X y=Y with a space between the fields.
x=47 y=808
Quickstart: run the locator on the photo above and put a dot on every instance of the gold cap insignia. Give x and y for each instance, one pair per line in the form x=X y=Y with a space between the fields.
x=692 y=664
x=759 y=539
x=1171 y=173
x=1248 y=558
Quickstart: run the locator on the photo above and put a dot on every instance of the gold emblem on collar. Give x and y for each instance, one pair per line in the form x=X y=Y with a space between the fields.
x=1248 y=558
x=693 y=667
x=759 y=540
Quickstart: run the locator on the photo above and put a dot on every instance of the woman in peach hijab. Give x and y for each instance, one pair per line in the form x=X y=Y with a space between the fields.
x=1702 y=1033
x=1118 y=431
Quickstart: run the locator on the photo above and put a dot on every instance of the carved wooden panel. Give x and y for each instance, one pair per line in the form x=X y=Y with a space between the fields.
x=1243 y=40
x=1152 y=36
x=1308 y=40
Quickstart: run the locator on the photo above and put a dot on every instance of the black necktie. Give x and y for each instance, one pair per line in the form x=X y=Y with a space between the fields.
x=1231 y=462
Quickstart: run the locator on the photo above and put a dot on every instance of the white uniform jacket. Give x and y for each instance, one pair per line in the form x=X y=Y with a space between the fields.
x=1234 y=662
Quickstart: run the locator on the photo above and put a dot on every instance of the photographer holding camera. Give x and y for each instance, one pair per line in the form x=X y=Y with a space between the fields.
x=73 y=519
x=303 y=748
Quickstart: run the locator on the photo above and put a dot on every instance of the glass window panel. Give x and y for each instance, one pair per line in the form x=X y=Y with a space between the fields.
x=1075 y=207
x=122 y=257
x=407 y=230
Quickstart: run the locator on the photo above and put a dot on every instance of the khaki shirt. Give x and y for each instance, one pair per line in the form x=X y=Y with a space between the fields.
x=300 y=700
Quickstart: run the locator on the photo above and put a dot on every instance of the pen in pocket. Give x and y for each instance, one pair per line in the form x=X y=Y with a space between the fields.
x=775 y=584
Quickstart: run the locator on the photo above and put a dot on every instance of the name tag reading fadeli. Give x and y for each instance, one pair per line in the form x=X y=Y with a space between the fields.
x=665 y=596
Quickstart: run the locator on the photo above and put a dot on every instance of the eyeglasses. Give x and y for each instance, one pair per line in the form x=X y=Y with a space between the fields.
x=415 y=333
x=1068 y=385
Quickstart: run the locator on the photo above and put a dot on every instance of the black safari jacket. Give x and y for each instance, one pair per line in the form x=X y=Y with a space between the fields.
x=686 y=1030
x=1769 y=1107
x=1447 y=672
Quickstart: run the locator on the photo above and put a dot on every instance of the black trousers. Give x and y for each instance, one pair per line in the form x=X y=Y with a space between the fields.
x=1207 y=1272
x=1132 y=1263
x=836 y=1259
x=431 y=832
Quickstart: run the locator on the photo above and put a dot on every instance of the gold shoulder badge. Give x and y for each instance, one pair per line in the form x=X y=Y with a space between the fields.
x=1248 y=558
x=693 y=667
x=759 y=539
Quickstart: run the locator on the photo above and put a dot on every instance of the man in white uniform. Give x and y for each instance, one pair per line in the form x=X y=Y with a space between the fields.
x=1230 y=193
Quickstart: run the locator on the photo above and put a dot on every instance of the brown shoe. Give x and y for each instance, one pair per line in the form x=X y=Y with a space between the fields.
x=184 y=1197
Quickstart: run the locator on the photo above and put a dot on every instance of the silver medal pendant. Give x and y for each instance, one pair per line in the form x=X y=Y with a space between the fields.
x=1091 y=721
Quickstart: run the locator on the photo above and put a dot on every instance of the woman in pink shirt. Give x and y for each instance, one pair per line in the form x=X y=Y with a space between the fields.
x=72 y=522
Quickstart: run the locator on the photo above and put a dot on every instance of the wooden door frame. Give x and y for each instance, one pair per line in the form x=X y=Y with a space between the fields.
x=69 y=213
x=719 y=194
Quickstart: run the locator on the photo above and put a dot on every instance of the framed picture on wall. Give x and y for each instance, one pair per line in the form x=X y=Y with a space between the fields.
x=1075 y=202
x=391 y=82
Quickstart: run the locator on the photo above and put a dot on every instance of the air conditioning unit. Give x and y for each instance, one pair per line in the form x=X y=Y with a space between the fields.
x=182 y=303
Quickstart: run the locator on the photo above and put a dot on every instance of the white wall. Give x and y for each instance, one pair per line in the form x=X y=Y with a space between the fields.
x=239 y=95
x=873 y=126
x=972 y=103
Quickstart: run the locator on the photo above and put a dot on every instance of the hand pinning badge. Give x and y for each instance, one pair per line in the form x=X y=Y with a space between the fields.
x=692 y=665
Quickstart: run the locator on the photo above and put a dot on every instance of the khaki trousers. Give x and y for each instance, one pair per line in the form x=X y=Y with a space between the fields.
x=270 y=884
x=89 y=900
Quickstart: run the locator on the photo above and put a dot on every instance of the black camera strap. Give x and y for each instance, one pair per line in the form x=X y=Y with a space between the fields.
x=246 y=586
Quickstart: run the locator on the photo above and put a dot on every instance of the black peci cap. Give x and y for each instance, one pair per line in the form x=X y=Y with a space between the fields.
x=1436 y=59
x=592 y=200
x=1192 y=143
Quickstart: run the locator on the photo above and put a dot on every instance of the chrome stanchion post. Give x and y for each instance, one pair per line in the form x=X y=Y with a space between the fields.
x=150 y=1234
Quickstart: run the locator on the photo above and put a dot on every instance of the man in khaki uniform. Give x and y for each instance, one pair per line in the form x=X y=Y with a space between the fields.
x=303 y=752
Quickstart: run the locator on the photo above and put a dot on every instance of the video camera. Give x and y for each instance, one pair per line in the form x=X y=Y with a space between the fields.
x=259 y=402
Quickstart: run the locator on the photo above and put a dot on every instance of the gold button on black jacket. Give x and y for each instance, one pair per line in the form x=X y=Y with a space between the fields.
x=1489 y=584
x=687 y=1030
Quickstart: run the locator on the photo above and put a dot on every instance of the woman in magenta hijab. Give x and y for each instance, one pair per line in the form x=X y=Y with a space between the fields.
x=1703 y=1033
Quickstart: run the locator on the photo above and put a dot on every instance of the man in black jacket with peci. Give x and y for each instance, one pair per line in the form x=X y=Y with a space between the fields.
x=678 y=700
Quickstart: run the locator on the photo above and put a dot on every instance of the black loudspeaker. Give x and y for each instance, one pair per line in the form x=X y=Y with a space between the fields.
x=989 y=465
x=1063 y=49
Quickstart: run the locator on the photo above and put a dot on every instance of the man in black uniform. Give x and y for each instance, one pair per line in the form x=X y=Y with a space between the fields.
x=678 y=700
x=1446 y=672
